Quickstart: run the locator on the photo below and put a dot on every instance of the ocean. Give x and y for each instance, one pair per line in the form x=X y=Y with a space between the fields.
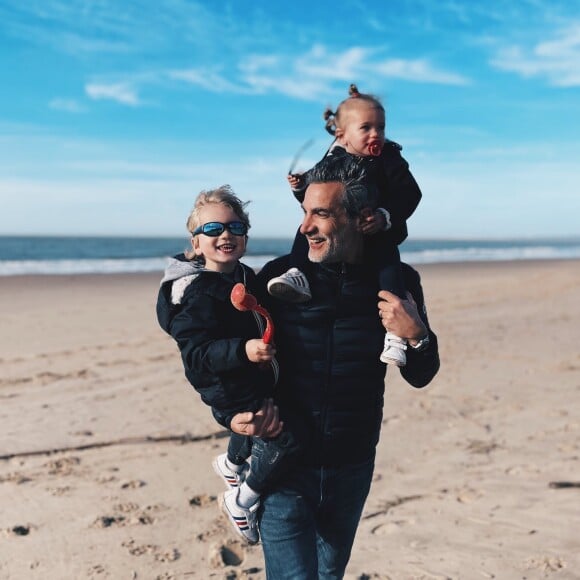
x=21 y=255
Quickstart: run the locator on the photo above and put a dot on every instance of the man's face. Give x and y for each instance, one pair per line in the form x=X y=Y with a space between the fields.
x=332 y=236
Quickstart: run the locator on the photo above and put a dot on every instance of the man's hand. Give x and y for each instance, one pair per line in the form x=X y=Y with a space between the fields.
x=401 y=317
x=264 y=423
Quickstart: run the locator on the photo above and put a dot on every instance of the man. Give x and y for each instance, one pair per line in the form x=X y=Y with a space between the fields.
x=331 y=378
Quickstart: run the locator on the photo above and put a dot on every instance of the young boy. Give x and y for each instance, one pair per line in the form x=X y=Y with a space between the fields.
x=224 y=358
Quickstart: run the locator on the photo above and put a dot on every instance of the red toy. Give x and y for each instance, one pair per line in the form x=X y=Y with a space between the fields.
x=243 y=300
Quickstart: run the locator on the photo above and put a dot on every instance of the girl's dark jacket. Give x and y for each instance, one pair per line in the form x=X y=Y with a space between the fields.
x=398 y=192
x=194 y=307
x=328 y=350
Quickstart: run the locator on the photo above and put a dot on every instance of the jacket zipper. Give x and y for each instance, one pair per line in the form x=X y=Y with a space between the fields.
x=330 y=353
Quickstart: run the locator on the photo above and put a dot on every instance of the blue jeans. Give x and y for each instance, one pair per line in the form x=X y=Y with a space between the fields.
x=309 y=521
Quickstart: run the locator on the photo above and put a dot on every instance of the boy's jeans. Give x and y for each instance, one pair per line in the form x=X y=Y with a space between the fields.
x=308 y=523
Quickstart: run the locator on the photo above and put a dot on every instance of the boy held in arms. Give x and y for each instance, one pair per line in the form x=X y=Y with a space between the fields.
x=358 y=126
x=224 y=358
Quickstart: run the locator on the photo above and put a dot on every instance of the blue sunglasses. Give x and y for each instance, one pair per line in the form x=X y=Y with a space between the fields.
x=215 y=229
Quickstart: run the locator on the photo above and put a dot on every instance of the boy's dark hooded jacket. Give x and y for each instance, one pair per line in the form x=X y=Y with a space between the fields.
x=194 y=307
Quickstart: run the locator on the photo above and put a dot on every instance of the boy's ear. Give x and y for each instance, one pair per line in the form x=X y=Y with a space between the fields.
x=339 y=133
x=195 y=245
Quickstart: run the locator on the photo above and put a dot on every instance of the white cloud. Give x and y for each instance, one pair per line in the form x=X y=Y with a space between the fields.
x=254 y=63
x=359 y=61
x=102 y=27
x=119 y=92
x=66 y=105
x=556 y=60
x=311 y=75
x=418 y=71
x=210 y=80
x=321 y=63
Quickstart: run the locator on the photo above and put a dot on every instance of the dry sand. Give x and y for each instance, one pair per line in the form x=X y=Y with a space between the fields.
x=105 y=449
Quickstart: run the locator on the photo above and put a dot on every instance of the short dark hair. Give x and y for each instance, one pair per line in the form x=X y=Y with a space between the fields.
x=358 y=194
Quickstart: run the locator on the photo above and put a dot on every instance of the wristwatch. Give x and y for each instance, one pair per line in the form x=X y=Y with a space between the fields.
x=387 y=217
x=422 y=344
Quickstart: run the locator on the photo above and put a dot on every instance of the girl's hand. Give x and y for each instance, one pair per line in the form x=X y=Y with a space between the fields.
x=295 y=180
x=373 y=223
x=258 y=351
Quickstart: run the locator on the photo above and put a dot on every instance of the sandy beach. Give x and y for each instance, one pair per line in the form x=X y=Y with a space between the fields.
x=105 y=449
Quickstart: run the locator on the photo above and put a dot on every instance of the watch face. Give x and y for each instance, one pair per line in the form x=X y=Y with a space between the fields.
x=422 y=344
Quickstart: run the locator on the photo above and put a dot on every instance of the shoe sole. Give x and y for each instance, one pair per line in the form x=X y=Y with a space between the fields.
x=287 y=293
x=391 y=361
x=224 y=509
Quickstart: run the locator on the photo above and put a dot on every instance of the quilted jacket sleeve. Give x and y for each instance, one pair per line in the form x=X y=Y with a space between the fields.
x=421 y=366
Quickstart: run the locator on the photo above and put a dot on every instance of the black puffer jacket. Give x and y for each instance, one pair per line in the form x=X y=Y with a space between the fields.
x=212 y=334
x=329 y=350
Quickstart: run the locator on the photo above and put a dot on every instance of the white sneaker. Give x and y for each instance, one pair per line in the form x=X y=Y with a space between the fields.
x=232 y=479
x=394 y=351
x=244 y=520
x=292 y=286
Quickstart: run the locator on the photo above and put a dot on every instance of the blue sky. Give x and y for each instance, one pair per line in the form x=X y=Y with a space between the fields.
x=114 y=115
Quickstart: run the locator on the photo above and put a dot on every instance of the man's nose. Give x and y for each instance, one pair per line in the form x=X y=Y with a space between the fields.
x=306 y=225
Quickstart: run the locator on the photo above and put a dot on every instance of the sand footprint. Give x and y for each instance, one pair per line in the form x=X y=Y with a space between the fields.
x=230 y=553
x=477 y=446
x=63 y=466
x=15 y=477
x=169 y=555
x=202 y=500
x=126 y=507
x=133 y=484
x=546 y=564
x=140 y=518
x=427 y=574
x=96 y=570
x=19 y=530
x=522 y=469
x=391 y=527
x=468 y=495
x=139 y=550
x=59 y=491
x=108 y=521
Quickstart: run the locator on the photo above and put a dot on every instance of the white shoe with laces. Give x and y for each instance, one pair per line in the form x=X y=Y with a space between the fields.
x=244 y=520
x=394 y=351
x=232 y=479
x=292 y=286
